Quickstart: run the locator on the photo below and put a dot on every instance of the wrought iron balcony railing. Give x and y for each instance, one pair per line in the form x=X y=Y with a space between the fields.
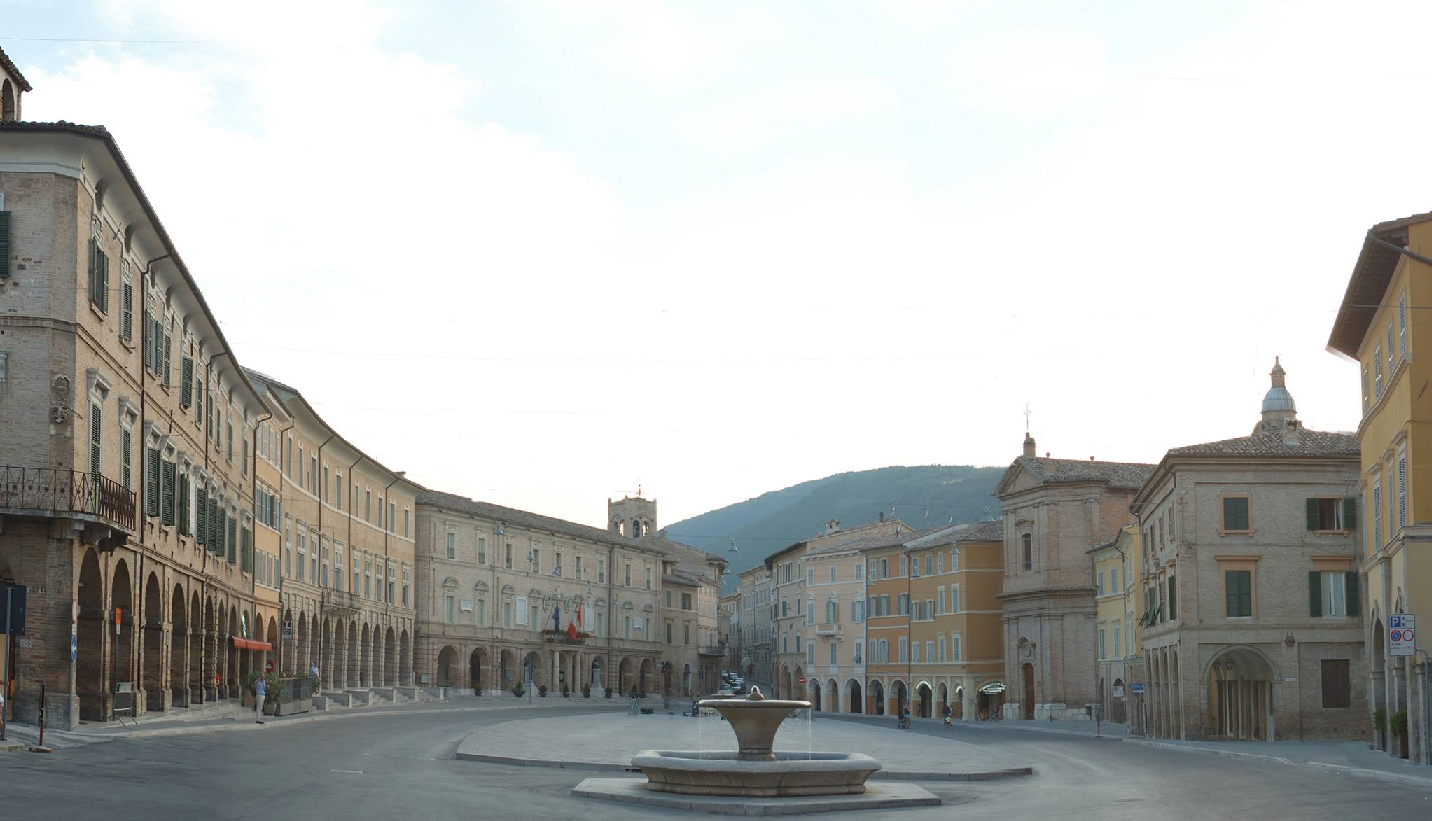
x=56 y=491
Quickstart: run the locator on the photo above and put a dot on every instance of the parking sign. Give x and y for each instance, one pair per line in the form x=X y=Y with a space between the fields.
x=1402 y=634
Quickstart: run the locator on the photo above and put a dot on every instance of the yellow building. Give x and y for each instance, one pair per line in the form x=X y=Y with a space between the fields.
x=1119 y=651
x=1382 y=323
x=956 y=648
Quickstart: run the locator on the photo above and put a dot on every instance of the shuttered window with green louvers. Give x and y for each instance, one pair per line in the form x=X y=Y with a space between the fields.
x=96 y=428
x=216 y=528
x=166 y=493
x=168 y=345
x=151 y=482
x=183 y=504
x=201 y=519
x=246 y=548
x=126 y=461
x=231 y=539
x=4 y=244
x=126 y=312
x=186 y=382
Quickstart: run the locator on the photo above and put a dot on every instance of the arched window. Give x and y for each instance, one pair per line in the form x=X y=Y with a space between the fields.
x=7 y=102
x=1027 y=547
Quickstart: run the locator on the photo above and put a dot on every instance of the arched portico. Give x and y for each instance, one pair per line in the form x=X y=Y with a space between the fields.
x=1240 y=695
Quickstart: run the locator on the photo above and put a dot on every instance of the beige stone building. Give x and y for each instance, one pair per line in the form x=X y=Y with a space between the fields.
x=1054 y=511
x=337 y=545
x=491 y=579
x=756 y=626
x=127 y=496
x=1250 y=580
x=1117 y=657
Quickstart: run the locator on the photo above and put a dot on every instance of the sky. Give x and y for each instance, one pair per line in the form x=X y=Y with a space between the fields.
x=544 y=253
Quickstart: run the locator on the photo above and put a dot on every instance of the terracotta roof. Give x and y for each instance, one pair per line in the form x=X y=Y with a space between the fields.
x=982 y=532
x=959 y=533
x=874 y=541
x=1115 y=474
x=15 y=72
x=1309 y=443
x=1370 y=276
x=523 y=518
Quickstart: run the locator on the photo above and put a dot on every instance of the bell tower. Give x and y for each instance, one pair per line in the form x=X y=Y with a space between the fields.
x=632 y=516
x=12 y=85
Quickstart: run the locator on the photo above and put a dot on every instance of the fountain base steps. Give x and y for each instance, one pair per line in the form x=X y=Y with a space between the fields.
x=885 y=795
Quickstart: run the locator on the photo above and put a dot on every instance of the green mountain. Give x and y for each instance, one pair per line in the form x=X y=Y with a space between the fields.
x=925 y=496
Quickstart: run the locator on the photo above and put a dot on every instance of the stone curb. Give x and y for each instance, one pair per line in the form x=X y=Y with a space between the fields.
x=987 y=725
x=1360 y=772
x=244 y=725
x=465 y=753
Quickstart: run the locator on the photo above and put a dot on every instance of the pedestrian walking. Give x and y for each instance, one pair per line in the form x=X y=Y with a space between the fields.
x=260 y=690
x=313 y=671
x=948 y=714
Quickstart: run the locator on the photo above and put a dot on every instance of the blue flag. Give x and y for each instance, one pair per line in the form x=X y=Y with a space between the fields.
x=556 y=617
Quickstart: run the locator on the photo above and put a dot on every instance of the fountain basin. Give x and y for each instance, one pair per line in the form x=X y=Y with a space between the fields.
x=693 y=772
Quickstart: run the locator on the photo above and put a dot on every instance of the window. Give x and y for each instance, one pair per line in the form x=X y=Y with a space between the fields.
x=479 y=613
x=859 y=652
x=954 y=559
x=648 y=578
x=810 y=611
x=448 y=609
x=904 y=650
x=1366 y=400
x=929 y=564
x=534 y=557
x=1114 y=580
x=1333 y=593
x=98 y=276
x=627 y=583
x=860 y=571
x=1337 y=683
x=1377 y=511
x=955 y=647
x=833 y=653
x=810 y=577
x=686 y=633
x=884 y=568
x=1235 y=514
x=832 y=574
x=1389 y=350
x=368 y=506
x=1169 y=513
x=939 y=563
x=1401 y=489
x=915 y=653
x=392 y=516
x=1118 y=651
x=482 y=553
x=406 y=513
x=1172 y=599
x=601 y=571
x=955 y=598
x=915 y=567
x=1332 y=514
x=507 y=555
x=1238 y=591
x=904 y=565
x=685 y=601
x=810 y=652
x=1098 y=582
x=1377 y=372
x=302 y=554
x=1027 y=540
x=1102 y=648
x=451 y=545
x=857 y=611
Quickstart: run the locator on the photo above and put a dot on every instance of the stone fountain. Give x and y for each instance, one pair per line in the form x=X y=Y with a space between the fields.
x=755 y=769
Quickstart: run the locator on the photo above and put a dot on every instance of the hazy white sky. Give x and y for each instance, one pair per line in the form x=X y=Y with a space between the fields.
x=537 y=253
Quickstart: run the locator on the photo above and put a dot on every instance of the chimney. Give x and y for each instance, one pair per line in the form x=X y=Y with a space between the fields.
x=1028 y=445
x=1292 y=432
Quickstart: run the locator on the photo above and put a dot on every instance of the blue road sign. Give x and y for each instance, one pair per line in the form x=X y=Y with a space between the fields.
x=74 y=649
x=1136 y=688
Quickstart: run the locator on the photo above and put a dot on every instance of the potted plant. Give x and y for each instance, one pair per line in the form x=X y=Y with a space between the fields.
x=1379 y=724
x=586 y=691
x=1397 y=722
x=566 y=691
x=608 y=692
x=477 y=690
x=542 y=690
x=517 y=689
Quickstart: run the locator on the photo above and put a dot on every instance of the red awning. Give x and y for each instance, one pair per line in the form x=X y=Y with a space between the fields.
x=245 y=644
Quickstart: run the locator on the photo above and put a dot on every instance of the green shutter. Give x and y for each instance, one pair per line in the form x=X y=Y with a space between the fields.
x=166 y=500
x=184 y=504
x=1313 y=514
x=1172 y=599
x=126 y=312
x=1354 y=595
x=1230 y=591
x=151 y=482
x=1350 y=513
x=186 y=382
x=4 y=244
x=231 y=539
x=1315 y=593
x=201 y=517
x=104 y=283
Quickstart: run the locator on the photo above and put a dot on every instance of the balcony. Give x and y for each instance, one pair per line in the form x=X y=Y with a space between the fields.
x=340 y=603
x=59 y=493
x=716 y=649
x=836 y=630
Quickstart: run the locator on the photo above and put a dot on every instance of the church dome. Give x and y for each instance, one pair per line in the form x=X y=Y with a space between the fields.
x=1278 y=399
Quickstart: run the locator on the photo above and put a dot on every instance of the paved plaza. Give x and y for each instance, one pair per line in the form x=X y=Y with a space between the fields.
x=402 y=764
